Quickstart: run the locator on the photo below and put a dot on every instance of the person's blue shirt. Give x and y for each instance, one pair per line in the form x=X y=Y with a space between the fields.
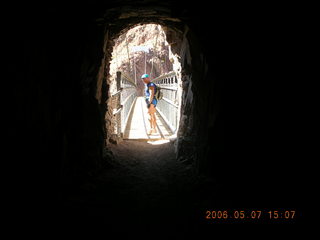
x=148 y=94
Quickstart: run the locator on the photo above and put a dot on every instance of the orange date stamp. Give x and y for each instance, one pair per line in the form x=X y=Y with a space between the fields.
x=250 y=214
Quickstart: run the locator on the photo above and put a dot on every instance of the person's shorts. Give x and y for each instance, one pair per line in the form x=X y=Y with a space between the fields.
x=154 y=102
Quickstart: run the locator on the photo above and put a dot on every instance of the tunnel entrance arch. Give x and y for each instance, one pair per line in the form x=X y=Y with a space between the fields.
x=200 y=100
x=139 y=49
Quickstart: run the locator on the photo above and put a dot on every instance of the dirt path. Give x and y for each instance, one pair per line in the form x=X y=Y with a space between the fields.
x=145 y=189
x=152 y=183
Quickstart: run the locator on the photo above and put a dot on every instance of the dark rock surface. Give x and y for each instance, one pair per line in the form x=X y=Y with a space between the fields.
x=56 y=59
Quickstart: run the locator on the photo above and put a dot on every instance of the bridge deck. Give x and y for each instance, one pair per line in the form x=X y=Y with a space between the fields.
x=138 y=124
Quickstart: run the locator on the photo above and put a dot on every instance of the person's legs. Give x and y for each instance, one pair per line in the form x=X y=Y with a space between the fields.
x=150 y=121
x=153 y=124
x=153 y=121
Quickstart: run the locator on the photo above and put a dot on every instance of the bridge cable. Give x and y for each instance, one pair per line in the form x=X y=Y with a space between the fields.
x=127 y=45
x=154 y=47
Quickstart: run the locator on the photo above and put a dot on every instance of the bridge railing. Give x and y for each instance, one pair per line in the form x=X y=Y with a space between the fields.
x=168 y=105
x=126 y=95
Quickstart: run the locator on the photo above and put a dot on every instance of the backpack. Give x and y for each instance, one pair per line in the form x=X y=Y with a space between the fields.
x=158 y=93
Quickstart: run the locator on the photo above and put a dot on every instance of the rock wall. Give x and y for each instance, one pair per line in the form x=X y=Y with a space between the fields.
x=199 y=106
x=61 y=89
x=54 y=89
x=154 y=61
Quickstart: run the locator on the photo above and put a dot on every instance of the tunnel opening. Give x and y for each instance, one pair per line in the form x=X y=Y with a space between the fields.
x=198 y=99
x=143 y=49
x=92 y=185
x=59 y=61
x=142 y=175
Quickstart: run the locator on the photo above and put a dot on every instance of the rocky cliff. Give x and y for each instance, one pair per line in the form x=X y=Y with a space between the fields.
x=142 y=49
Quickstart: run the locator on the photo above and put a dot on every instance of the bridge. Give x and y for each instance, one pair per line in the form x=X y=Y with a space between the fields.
x=132 y=119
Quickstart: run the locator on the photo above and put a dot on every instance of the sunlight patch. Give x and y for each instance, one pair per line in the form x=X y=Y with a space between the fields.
x=159 y=142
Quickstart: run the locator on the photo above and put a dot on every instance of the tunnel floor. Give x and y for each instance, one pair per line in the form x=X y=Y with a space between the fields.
x=143 y=189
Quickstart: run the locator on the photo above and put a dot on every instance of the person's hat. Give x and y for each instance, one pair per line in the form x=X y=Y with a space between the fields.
x=145 y=76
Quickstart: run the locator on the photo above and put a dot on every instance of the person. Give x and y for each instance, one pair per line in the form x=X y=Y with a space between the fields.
x=151 y=101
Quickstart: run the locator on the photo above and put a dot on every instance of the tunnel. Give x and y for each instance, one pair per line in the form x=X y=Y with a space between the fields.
x=68 y=171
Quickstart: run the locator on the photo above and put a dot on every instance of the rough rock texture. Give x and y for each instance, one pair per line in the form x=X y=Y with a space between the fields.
x=55 y=91
x=60 y=89
x=66 y=72
x=131 y=62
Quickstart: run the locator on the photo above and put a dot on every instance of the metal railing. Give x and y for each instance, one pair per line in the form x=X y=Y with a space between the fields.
x=126 y=95
x=168 y=105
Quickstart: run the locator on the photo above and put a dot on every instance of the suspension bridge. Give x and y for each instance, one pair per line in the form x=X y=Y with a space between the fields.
x=132 y=120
